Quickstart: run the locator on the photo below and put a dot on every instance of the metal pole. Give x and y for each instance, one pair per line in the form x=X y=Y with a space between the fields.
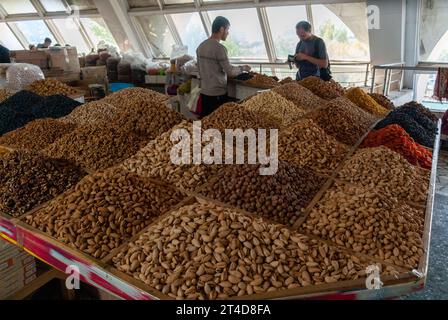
x=386 y=71
x=367 y=75
x=373 y=80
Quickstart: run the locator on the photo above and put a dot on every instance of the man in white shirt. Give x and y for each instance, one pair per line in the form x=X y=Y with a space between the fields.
x=214 y=67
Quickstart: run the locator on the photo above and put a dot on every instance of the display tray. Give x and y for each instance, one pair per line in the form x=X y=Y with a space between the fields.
x=103 y=275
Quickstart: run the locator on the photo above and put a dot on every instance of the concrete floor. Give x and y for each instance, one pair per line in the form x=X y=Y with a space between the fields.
x=437 y=282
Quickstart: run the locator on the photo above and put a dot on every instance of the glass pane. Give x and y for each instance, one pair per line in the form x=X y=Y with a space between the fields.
x=81 y=4
x=71 y=34
x=191 y=30
x=18 y=6
x=158 y=34
x=344 y=29
x=282 y=21
x=168 y=2
x=97 y=30
x=245 y=40
x=35 y=31
x=142 y=3
x=8 y=39
x=53 y=5
x=434 y=32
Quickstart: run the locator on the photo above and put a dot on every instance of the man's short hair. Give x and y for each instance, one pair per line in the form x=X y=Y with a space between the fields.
x=47 y=40
x=305 y=25
x=220 y=22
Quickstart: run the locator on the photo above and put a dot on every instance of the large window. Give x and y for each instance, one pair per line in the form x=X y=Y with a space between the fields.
x=97 y=30
x=35 y=31
x=169 y=2
x=158 y=34
x=71 y=34
x=434 y=31
x=246 y=39
x=53 y=5
x=342 y=43
x=8 y=39
x=190 y=30
x=81 y=4
x=282 y=21
x=18 y=6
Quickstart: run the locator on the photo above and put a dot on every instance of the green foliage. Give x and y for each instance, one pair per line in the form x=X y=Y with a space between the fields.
x=330 y=32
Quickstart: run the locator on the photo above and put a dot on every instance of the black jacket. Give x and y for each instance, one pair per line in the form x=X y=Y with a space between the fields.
x=4 y=55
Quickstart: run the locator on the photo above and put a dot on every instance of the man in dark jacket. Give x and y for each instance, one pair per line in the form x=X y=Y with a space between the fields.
x=311 y=52
x=4 y=55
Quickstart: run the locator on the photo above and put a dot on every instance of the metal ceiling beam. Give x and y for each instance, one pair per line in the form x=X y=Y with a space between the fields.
x=267 y=35
x=49 y=15
x=19 y=35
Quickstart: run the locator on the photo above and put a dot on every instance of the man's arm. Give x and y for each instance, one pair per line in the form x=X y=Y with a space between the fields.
x=231 y=70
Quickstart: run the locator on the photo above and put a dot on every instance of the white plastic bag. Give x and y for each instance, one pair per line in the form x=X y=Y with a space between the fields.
x=178 y=51
x=193 y=101
x=21 y=75
x=190 y=68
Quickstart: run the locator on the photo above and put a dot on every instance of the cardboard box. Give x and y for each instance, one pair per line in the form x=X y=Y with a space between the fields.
x=38 y=58
x=94 y=74
x=73 y=60
x=59 y=59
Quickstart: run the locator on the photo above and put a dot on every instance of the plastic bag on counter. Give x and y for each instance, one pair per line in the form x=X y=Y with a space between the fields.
x=190 y=68
x=20 y=75
x=194 y=102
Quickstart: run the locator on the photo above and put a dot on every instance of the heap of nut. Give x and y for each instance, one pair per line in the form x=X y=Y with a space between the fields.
x=382 y=100
x=50 y=87
x=324 y=89
x=103 y=210
x=366 y=102
x=300 y=96
x=344 y=120
x=5 y=94
x=370 y=222
x=37 y=134
x=385 y=169
x=280 y=196
x=28 y=179
x=261 y=81
x=95 y=113
x=306 y=144
x=274 y=108
x=203 y=251
x=134 y=97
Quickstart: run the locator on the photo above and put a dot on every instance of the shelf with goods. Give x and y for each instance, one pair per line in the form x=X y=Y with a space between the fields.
x=102 y=274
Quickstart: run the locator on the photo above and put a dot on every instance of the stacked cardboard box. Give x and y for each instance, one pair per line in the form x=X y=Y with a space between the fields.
x=17 y=269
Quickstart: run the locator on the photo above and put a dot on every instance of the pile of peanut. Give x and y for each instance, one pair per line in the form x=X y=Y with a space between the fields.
x=5 y=94
x=325 y=89
x=95 y=113
x=202 y=251
x=385 y=169
x=235 y=116
x=134 y=97
x=344 y=120
x=370 y=222
x=37 y=134
x=306 y=144
x=382 y=100
x=103 y=210
x=261 y=81
x=300 y=96
x=274 y=108
x=154 y=161
x=50 y=87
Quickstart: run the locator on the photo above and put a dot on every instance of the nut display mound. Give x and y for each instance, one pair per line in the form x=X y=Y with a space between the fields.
x=50 y=87
x=235 y=116
x=103 y=210
x=395 y=138
x=280 y=197
x=28 y=179
x=96 y=148
x=261 y=81
x=364 y=101
x=306 y=144
x=286 y=80
x=385 y=169
x=368 y=221
x=274 y=108
x=421 y=118
x=344 y=120
x=203 y=251
x=56 y=106
x=300 y=96
x=422 y=109
x=411 y=126
x=5 y=94
x=95 y=113
x=382 y=101
x=37 y=134
x=325 y=89
x=154 y=161
x=148 y=119
x=131 y=97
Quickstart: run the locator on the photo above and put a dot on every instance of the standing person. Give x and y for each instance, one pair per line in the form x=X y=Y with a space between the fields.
x=311 y=54
x=45 y=45
x=214 y=67
x=4 y=55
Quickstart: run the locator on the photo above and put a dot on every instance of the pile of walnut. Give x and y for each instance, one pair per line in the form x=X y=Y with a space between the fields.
x=50 y=87
x=300 y=96
x=324 y=89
